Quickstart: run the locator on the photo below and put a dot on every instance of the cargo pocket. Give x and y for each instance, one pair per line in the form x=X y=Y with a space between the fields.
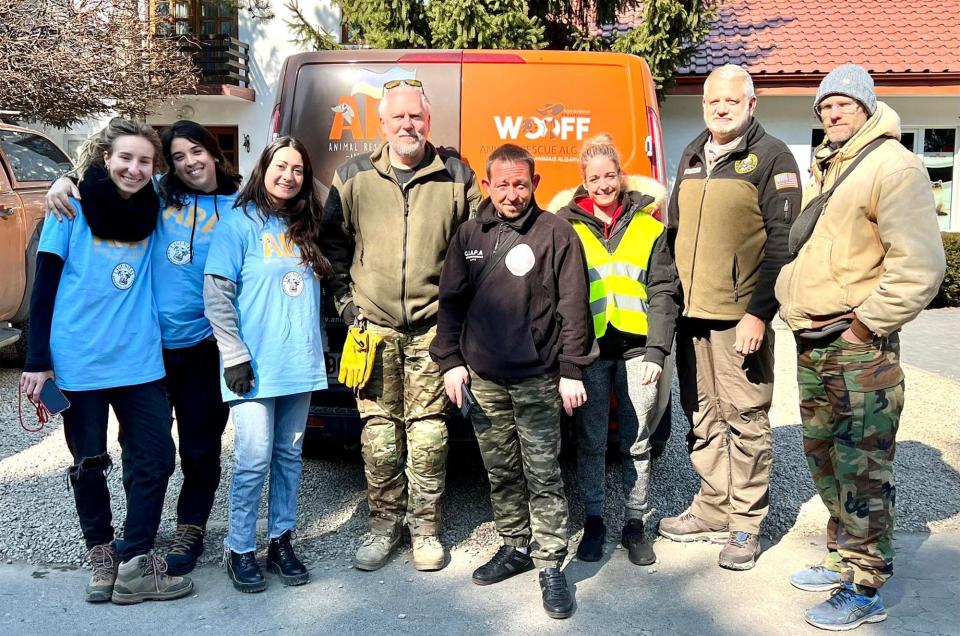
x=873 y=387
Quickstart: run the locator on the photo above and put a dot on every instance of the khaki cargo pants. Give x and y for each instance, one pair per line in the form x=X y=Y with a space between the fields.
x=404 y=438
x=726 y=397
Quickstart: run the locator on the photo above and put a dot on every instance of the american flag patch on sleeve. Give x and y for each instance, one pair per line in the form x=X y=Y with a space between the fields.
x=786 y=180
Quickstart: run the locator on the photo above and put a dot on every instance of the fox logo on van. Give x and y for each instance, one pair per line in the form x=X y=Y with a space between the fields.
x=549 y=122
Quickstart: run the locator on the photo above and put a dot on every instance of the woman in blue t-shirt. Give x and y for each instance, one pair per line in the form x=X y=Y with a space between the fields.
x=199 y=186
x=95 y=330
x=262 y=296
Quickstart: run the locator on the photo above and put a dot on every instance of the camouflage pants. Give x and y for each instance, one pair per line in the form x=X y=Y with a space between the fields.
x=851 y=396
x=517 y=423
x=404 y=438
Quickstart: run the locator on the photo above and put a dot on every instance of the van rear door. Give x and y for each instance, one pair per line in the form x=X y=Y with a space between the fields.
x=551 y=102
x=333 y=105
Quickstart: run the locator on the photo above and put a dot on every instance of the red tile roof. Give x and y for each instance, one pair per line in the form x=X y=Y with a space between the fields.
x=786 y=37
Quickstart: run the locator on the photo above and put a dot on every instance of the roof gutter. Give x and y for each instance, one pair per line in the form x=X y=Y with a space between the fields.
x=928 y=84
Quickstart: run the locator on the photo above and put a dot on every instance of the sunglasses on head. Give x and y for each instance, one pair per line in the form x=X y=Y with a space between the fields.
x=409 y=82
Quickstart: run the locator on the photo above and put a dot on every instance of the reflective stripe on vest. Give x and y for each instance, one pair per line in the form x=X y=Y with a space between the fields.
x=618 y=281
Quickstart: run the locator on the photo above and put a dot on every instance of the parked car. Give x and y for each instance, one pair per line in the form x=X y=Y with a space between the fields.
x=29 y=162
x=549 y=102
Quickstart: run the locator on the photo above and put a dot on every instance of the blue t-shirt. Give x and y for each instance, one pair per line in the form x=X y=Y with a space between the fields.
x=105 y=331
x=278 y=302
x=178 y=271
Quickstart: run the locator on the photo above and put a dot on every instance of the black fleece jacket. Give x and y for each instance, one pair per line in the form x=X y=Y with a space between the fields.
x=663 y=286
x=530 y=316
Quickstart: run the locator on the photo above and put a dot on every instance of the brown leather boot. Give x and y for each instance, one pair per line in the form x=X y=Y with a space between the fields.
x=688 y=527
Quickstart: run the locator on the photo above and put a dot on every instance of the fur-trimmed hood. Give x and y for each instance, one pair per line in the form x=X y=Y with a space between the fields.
x=635 y=183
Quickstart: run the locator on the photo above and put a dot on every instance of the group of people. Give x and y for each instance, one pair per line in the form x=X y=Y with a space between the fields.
x=499 y=308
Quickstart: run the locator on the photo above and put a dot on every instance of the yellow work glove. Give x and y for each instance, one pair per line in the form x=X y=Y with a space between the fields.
x=359 y=351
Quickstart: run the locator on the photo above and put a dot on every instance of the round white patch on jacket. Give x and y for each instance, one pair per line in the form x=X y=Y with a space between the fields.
x=178 y=252
x=123 y=275
x=292 y=284
x=520 y=260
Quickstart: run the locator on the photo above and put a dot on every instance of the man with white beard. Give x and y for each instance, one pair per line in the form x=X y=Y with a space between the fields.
x=387 y=222
x=737 y=192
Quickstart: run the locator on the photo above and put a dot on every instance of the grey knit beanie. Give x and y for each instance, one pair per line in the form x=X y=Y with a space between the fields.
x=850 y=80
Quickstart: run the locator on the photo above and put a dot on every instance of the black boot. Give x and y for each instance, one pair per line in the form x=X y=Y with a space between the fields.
x=594 y=534
x=244 y=571
x=557 y=599
x=282 y=561
x=186 y=548
x=638 y=550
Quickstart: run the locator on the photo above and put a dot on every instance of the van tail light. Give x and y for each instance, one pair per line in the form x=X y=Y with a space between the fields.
x=274 y=123
x=654 y=148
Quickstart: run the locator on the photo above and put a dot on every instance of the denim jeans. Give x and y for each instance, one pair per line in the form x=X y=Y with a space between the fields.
x=635 y=406
x=193 y=386
x=147 y=456
x=269 y=438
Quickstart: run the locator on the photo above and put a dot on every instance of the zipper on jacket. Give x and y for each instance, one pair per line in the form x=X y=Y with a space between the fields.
x=403 y=261
x=736 y=279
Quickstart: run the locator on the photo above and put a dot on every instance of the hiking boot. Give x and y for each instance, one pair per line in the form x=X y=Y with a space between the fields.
x=427 y=553
x=282 y=561
x=557 y=599
x=847 y=608
x=688 y=527
x=145 y=578
x=594 y=534
x=186 y=548
x=638 y=550
x=103 y=559
x=816 y=578
x=507 y=562
x=375 y=549
x=740 y=551
x=244 y=571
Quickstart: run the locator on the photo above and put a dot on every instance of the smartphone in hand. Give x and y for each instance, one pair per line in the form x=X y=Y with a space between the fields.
x=468 y=402
x=53 y=398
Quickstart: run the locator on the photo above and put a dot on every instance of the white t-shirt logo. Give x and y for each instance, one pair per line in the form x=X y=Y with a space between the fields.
x=520 y=260
x=123 y=276
x=292 y=284
x=178 y=252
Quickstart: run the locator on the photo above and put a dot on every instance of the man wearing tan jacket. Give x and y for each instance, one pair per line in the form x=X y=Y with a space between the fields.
x=873 y=261
x=737 y=191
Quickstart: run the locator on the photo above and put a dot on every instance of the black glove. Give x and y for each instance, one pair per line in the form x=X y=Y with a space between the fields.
x=239 y=378
x=349 y=313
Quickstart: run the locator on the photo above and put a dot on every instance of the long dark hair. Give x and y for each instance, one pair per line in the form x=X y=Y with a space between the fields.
x=302 y=212
x=228 y=181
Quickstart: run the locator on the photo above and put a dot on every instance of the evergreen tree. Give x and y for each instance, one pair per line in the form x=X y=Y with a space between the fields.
x=484 y=24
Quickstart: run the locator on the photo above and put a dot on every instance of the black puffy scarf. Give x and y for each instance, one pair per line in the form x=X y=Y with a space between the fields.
x=110 y=216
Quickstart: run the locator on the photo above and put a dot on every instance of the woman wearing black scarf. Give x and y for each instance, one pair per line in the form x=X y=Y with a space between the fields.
x=96 y=332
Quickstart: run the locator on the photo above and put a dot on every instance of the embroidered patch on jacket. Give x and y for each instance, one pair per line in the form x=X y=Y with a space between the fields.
x=473 y=255
x=747 y=164
x=786 y=180
x=696 y=170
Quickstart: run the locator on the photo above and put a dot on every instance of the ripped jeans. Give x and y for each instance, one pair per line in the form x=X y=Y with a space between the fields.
x=269 y=439
x=147 y=457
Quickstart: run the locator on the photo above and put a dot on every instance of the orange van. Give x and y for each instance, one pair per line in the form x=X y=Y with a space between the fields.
x=549 y=102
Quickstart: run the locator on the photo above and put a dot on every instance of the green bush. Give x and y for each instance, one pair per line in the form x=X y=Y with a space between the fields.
x=949 y=294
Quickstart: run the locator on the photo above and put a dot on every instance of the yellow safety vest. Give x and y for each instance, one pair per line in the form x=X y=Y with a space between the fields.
x=618 y=281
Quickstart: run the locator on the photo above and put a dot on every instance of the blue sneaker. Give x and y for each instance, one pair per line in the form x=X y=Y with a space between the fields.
x=816 y=578
x=846 y=609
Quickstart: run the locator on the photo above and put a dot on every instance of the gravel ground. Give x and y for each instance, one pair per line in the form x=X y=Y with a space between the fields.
x=38 y=522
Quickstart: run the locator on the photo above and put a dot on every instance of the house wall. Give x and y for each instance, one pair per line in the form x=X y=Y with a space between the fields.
x=270 y=44
x=791 y=120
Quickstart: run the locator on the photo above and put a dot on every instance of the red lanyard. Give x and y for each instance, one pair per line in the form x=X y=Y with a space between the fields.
x=43 y=415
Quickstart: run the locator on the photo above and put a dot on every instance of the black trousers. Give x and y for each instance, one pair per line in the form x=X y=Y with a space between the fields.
x=147 y=457
x=193 y=385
